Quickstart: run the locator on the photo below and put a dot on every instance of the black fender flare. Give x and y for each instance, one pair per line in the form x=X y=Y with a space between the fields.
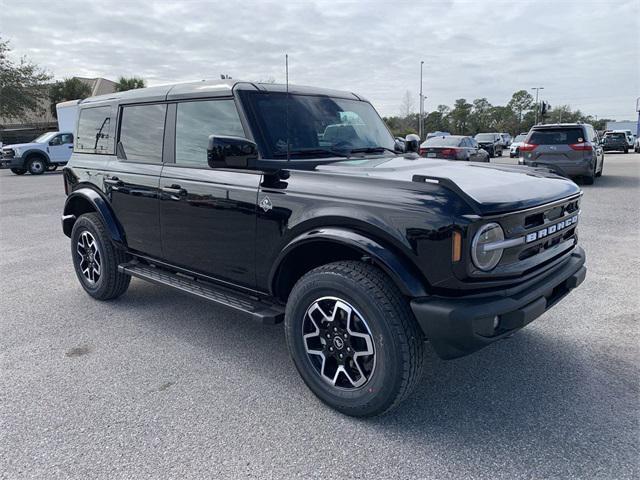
x=99 y=204
x=398 y=268
x=34 y=151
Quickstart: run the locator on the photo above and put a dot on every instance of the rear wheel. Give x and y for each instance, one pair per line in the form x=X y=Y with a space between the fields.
x=96 y=259
x=353 y=338
x=37 y=165
x=626 y=150
x=589 y=179
x=19 y=171
x=599 y=174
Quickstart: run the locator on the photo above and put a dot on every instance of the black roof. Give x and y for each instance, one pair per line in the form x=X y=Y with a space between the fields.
x=207 y=89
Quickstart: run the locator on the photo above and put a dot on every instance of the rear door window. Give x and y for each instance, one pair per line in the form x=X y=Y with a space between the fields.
x=557 y=136
x=142 y=132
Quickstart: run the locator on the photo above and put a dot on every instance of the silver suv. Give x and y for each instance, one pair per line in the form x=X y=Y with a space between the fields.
x=570 y=149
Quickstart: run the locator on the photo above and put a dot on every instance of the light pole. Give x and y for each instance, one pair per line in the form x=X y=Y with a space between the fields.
x=420 y=125
x=537 y=89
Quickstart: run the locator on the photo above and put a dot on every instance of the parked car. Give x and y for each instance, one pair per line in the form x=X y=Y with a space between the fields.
x=615 y=141
x=571 y=149
x=47 y=152
x=491 y=142
x=453 y=147
x=225 y=190
x=636 y=147
x=514 y=149
x=506 y=140
x=436 y=134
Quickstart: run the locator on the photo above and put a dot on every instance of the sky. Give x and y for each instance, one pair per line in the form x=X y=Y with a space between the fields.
x=584 y=53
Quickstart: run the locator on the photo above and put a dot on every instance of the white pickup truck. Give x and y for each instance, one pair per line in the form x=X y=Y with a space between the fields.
x=47 y=152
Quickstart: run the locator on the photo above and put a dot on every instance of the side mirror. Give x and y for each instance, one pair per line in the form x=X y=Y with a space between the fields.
x=399 y=145
x=412 y=143
x=230 y=152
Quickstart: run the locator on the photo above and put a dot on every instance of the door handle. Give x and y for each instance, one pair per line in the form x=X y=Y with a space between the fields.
x=175 y=191
x=115 y=182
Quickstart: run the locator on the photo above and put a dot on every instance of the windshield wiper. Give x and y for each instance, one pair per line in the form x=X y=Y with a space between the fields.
x=372 y=150
x=317 y=151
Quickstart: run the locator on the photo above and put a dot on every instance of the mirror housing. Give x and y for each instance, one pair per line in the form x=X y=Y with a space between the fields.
x=412 y=143
x=231 y=152
x=399 y=145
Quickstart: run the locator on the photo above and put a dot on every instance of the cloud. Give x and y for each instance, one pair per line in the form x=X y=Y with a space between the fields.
x=583 y=53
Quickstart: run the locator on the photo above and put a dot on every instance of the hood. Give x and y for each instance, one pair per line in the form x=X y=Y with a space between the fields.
x=21 y=145
x=487 y=188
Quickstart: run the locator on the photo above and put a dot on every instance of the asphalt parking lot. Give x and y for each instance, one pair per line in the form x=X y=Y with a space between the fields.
x=158 y=384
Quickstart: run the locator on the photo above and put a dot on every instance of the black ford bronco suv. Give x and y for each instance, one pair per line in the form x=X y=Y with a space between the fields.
x=297 y=204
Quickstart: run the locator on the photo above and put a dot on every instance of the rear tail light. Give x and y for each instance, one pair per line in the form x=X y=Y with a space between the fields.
x=584 y=146
x=449 y=152
x=423 y=151
x=528 y=147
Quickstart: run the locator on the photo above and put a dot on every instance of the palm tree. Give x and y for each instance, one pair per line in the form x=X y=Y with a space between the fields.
x=67 y=89
x=130 y=83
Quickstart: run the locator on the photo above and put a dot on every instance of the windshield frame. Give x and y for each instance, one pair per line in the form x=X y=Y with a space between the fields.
x=321 y=154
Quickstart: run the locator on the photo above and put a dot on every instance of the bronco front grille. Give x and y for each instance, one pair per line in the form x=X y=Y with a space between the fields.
x=544 y=233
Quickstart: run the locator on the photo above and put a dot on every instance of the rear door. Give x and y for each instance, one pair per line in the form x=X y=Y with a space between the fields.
x=133 y=177
x=208 y=216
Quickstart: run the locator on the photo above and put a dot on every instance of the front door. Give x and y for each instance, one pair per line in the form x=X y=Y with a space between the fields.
x=208 y=216
x=60 y=148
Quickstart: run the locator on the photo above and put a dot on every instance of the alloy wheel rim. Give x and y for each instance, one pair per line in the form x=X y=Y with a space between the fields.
x=338 y=343
x=37 y=166
x=90 y=257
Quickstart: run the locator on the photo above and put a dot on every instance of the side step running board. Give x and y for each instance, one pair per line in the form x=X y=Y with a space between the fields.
x=265 y=312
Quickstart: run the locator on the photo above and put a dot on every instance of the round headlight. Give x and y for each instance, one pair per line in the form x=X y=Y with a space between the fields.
x=487 y=259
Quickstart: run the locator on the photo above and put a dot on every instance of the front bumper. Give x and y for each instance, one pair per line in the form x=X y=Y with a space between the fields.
x=11 y=162
x=460 y=326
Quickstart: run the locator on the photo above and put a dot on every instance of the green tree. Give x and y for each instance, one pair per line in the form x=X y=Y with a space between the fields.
x=503 y=119
x=67 y=89
x=521 y=102
x=460 y=116
x=480 y=117
x=438 y=120
x=22 y=85
x=130 y=83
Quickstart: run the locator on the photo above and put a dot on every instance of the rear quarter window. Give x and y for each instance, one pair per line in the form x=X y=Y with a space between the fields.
x=95 y=131
x=559 y=136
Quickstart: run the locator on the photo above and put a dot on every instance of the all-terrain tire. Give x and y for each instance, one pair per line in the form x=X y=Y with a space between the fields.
x=398 y=342
x=109 y=283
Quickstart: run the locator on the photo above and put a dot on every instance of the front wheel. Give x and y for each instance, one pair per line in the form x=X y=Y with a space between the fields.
x=18 y=171
x=96 y=259
x=353 y=338
x=37 y=166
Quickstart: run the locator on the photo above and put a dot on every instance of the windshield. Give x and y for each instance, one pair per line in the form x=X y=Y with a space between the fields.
x=484 y=137
x=443 y=142
x=520 y=138
x=45 y=137
x=318 y=125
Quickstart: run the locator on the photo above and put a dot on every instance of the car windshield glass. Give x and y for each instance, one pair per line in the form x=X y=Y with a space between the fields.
x=317 y=125
x=557 y=136
x=443 y=142
x=520 y=138
x=45 y=137
x=484 y=137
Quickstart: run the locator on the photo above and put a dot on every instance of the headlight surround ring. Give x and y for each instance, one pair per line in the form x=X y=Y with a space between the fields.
x=489 y=233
